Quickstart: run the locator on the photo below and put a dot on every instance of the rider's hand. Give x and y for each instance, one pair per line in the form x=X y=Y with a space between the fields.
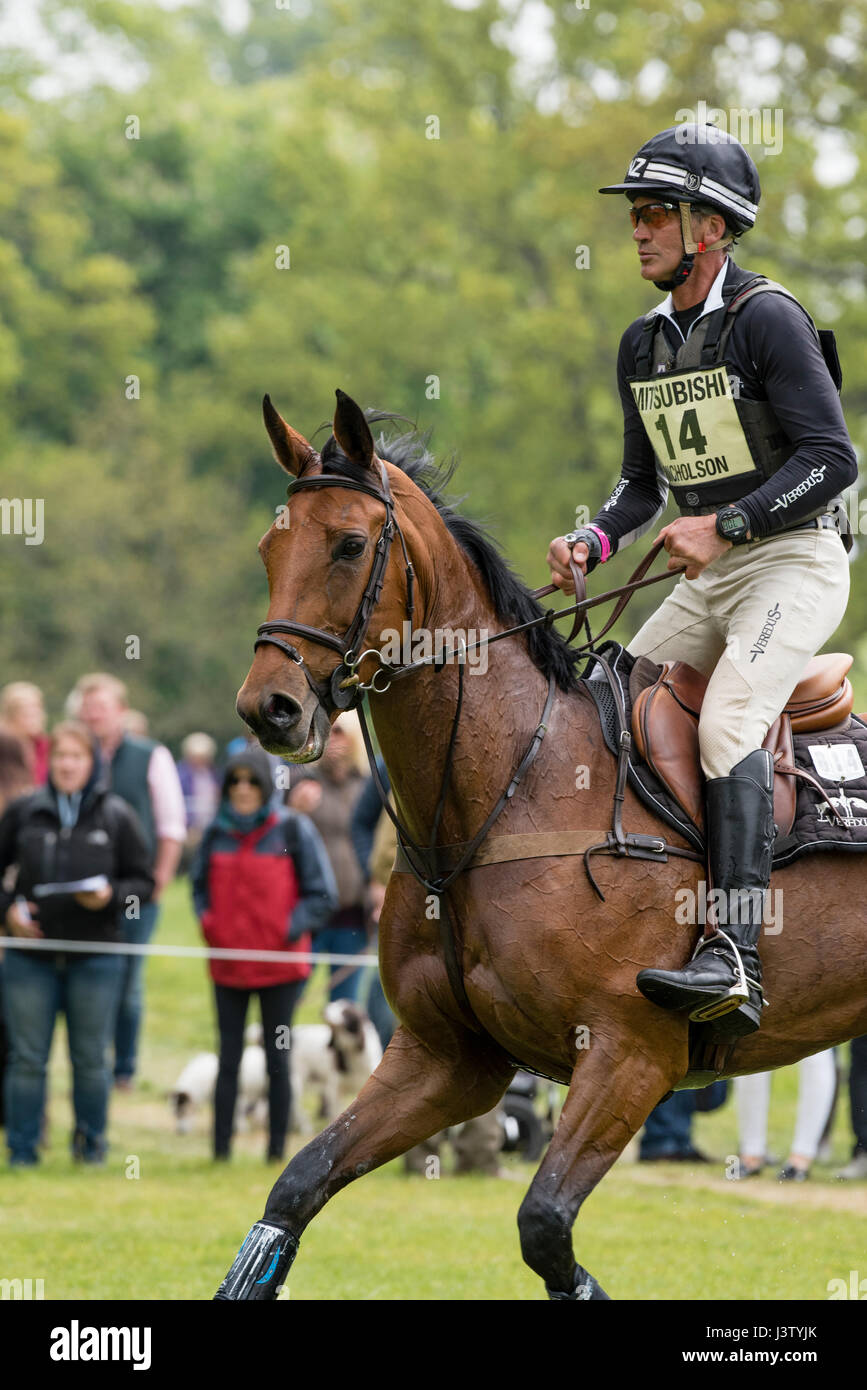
x=557 y=560
x=693 y=541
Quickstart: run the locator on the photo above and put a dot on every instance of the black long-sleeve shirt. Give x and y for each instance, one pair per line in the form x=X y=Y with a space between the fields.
x=107 y=838
x=773 y=353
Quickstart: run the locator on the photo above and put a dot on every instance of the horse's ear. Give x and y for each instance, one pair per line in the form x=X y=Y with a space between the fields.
x=351 y=430
x=291 y=449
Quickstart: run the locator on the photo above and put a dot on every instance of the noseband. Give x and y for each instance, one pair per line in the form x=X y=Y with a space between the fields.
x=345 y=685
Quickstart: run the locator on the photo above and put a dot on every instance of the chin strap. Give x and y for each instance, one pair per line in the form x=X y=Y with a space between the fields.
x=691 y=248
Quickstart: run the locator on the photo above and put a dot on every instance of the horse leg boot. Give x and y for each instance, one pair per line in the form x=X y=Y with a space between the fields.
x=615 y=1085
x=725 y=972
x=414 y=1092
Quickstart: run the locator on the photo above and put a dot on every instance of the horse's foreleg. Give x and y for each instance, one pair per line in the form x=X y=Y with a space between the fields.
x=413 y=1094
x=613 y=1089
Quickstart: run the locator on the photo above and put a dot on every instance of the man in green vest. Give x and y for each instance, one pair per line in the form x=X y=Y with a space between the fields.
x=144 y=774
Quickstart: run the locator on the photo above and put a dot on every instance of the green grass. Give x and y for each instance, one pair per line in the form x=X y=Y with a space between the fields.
x=648 y=1232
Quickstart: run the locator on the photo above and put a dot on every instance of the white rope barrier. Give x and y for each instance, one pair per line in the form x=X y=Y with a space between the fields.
x=132 y=948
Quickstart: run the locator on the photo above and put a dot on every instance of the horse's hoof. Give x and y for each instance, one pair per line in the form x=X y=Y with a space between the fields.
x=585 y=1289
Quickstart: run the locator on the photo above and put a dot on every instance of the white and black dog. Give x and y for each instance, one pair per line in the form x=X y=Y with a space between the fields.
x=197 y=1082
x=332 y=1059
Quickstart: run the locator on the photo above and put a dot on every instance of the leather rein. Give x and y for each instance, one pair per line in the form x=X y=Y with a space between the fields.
x=344 y=690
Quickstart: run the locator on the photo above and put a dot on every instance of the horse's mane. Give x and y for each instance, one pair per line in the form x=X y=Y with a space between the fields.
x=512 y=600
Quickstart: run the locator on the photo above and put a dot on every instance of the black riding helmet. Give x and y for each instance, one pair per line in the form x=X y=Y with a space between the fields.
x=693 y=163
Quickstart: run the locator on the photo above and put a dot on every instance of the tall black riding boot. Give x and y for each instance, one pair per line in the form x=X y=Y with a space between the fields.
x=725 y=973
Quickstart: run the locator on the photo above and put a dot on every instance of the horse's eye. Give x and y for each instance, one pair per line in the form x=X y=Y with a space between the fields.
x=349 y=549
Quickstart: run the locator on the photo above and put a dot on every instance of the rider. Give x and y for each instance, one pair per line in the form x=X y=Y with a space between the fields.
x=738 y=413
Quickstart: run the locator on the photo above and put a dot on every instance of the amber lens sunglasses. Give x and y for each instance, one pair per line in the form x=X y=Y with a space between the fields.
x=652 y=214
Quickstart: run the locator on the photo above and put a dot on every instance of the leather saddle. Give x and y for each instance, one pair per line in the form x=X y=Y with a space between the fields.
x=665 y=718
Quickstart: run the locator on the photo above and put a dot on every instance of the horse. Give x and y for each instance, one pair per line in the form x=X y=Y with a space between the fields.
x=543 y=974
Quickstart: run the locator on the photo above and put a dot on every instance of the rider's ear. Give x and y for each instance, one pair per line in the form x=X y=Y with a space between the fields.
x=291 y=449
x=351 y=430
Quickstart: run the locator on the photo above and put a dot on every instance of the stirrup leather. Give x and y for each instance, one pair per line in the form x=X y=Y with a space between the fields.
x=738 y=994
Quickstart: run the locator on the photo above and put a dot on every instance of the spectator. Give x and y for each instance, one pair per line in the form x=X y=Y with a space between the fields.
x=667 y=1133
x=378 y=869
x=200 y=784
x=261 y=879
x=327 y=792
x=16 y=778
x=22 y=713
x=375 y=841
x=67 y=831
x=144 y=774
x=135 y=722
x=817 y=1077
x=280 y=769
x=16 y=770
x=857 y=1165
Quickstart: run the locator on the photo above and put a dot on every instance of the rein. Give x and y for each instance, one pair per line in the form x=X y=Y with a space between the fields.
x=344 y=690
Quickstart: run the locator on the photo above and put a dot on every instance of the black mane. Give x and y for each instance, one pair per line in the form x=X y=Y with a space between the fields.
x=511 y=598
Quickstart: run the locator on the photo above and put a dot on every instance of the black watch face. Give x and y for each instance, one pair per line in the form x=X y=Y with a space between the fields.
x=732 y=523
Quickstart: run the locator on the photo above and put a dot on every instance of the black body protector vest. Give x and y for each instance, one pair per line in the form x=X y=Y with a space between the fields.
x=713 y=446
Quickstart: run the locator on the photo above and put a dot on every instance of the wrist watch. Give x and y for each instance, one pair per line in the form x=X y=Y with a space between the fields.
x=592 y=542
x=733 y=524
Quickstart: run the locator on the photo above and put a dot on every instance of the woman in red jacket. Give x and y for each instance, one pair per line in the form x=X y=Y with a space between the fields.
x=261 y=880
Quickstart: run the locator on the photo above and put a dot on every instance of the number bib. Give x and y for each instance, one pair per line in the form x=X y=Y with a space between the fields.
x=692 y=422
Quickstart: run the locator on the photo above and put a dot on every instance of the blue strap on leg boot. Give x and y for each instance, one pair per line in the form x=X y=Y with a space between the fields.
x=260 y=1265
x=723 y=979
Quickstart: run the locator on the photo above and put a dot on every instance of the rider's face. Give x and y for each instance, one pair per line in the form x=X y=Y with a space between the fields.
x=660 y=249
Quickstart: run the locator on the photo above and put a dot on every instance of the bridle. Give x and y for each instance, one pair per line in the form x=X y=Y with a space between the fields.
x=345 y=688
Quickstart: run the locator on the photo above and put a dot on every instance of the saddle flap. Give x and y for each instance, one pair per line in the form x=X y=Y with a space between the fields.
x=666 y=735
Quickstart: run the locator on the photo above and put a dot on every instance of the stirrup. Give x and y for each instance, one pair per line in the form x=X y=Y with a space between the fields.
x=738 y=994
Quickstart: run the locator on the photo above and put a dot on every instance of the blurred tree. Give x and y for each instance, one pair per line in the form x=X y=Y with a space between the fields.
x=431 y=173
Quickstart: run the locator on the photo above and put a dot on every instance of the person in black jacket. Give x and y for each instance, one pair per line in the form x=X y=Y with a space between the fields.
x=730 y=401
x=69 y=831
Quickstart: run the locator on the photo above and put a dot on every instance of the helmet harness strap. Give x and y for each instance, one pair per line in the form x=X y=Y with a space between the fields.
x=690 y=248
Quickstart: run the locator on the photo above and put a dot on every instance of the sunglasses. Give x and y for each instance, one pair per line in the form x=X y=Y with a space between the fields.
x=652 y=214
x=239 y=778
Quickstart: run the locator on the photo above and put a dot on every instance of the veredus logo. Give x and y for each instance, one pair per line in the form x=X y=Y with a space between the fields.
x=706 y=124
x=23 y=516
x=767 y=632
x=444 y=645
x=76 y=1343
x=612 y=500
x=813 y=477
x=851 y=811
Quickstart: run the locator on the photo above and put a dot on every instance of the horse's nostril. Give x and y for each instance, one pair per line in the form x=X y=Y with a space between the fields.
x=282 y=710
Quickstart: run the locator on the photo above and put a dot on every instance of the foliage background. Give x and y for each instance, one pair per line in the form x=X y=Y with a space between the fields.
x=306 y=126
